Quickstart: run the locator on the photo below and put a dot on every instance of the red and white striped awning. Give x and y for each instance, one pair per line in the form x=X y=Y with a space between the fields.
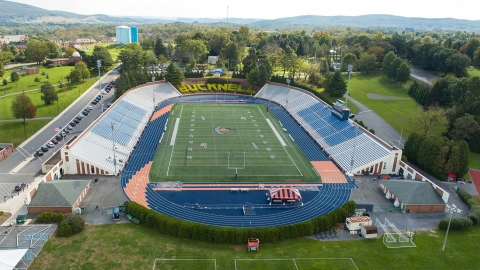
x=285 y=194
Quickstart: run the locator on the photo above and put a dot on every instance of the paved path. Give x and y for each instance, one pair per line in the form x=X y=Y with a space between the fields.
x=423 y=76
x=383 y=130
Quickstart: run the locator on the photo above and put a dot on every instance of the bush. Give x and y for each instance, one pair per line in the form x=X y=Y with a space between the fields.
x=464 y=195
x=64 y=230
x=457 y=224
x=76 y=222
x=36 y=79
x=404 y=159
x=216 y=234
x=471 y=203
x=50 y=66
x=49 y=217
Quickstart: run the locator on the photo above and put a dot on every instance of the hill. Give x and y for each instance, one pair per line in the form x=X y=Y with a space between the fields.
x=380 y=21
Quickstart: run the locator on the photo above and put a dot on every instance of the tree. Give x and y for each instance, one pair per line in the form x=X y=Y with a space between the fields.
x=253 y=76
x=36 y=50
x=367 y=63
x=476 y=57
x=82 y=69
x=464 y=128
x=424 y=120
x=337 y=87
x=101 y=53
x=69 y=51
x=174 y=75
x=428 y=152
x=473 y=45
x=232 y=55
x=22 y=107
x=192 y=50
x=457 y=64
x=249 y=62
x=53 y=51
x=403 y=74
x=392 y=69
x=159 y=48
x=348 y=59
x=5 y=58
x=387 y=61
x=244 y=36
x=410 y=150
x=75 y=77
x=14 y=77
x=48 y=93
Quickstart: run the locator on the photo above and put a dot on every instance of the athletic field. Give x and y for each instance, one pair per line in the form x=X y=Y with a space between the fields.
x=228 y=142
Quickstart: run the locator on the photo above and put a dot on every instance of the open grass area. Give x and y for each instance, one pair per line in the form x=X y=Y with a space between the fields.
x=65 y=98
x=474 y=71
x=12 y=132
x=128 y=246
x=113 y=49
x=473 y=163
x=27 y=82
x=210 y=142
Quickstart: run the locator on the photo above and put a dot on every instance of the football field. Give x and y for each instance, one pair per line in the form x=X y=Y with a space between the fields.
x=228 y=142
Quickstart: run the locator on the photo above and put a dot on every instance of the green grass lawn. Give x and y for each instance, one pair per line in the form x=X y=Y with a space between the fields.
x=114 y=49
x=473 y=163
x=211 y=142
x=65 y=98
x=396 y=112
x=27 y=82
x=12 y=132
x=474 y=71
x=128 y=246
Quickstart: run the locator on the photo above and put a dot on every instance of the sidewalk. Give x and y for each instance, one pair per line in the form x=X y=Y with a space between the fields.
x=28 y=119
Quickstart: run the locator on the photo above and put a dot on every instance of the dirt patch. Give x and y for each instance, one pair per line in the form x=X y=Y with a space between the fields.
x=377 y=96
x=5 y=217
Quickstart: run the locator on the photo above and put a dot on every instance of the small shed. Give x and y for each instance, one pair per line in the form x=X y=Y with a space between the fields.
x=369 y=231
x=356 y=223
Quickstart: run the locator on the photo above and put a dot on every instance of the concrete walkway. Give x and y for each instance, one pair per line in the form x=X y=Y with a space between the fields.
x=30 y=119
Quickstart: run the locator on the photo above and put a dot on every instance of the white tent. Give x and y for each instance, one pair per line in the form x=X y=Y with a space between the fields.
x=9 y=258
x=388 y=195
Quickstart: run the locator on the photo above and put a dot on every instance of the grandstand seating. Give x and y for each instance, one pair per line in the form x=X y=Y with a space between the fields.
x=130 y=115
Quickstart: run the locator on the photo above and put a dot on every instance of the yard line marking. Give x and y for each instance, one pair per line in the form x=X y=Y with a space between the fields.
x=175 y=130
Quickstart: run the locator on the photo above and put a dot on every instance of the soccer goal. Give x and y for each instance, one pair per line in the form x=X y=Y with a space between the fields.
x=180 y=264
x=295 y=264
x=393 y=237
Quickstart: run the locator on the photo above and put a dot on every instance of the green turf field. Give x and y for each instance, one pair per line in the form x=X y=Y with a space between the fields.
x=211 y=142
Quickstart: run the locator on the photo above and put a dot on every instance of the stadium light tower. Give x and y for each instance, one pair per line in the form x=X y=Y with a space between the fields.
x=99 y=65
x=354 y=145
x=452 y=209
x=114 y=156
x=350 y=68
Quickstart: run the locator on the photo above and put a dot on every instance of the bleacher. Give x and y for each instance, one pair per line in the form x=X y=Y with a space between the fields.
x=129 y=115
x=337 y=137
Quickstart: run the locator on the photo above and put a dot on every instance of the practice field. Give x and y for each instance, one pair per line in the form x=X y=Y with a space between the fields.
x=228 y=142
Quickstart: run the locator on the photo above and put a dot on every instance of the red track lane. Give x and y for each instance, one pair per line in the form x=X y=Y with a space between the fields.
x=475 y=175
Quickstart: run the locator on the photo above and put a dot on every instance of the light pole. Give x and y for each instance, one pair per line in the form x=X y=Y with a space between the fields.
x=350 y=68
x=452 y=209
x=153 y=92
x=114 y=156
x=99 y=65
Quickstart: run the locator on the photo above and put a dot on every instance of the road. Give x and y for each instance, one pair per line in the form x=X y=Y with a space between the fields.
x=11 y=169
x=423 y=76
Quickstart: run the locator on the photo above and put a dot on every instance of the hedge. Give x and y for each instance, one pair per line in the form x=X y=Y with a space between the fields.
x=49 y=217
x=229 y=235
x=464 y=195
x=456 y=224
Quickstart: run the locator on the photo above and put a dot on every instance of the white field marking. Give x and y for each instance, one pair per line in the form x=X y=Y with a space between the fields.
x=276 y=132
x=175 y=130
x=174 y=136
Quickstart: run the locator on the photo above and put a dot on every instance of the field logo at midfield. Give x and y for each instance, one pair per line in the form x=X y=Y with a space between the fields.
x=222 y=130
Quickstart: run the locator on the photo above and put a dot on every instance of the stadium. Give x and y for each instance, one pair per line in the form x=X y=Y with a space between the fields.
x=280 y=157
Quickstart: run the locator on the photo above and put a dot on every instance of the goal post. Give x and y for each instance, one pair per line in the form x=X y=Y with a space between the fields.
x=236 y=160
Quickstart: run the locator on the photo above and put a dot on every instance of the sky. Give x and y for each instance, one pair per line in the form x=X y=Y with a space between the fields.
x=262 y=9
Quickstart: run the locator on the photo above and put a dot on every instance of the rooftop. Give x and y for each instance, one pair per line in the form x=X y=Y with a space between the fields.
x=359 y=219
x=414 y=192
x=58 y=192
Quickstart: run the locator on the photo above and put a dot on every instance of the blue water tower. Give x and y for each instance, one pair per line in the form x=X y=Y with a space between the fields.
x=134 y=33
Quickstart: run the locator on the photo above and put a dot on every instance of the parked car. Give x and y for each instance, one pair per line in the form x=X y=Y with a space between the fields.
x=19 y=187
x=54 y=141
x=59 y=137
x=50 y=145
x=65 y=134
x=90 y=108
x=44 y=148
x=69 y=128
x=94 y=102
x=66 y=130
x=73 y=123
x=39 y=153
x=85 y=113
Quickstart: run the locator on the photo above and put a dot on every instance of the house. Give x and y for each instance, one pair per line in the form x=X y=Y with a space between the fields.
x=212 y=60
x=413 y=196
x=12 y=38
x=75 y=58
x=20 y=45
x=61 y=196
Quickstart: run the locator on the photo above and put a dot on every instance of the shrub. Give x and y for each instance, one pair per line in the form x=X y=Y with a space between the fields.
x=50 y=66
x=64 y=230
x=456 y=224
x=372 y=131
x=49 y=217
x=464 y=195
x=36 y=79
x=76 y=222
x=471 y=203
x=404 y=159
